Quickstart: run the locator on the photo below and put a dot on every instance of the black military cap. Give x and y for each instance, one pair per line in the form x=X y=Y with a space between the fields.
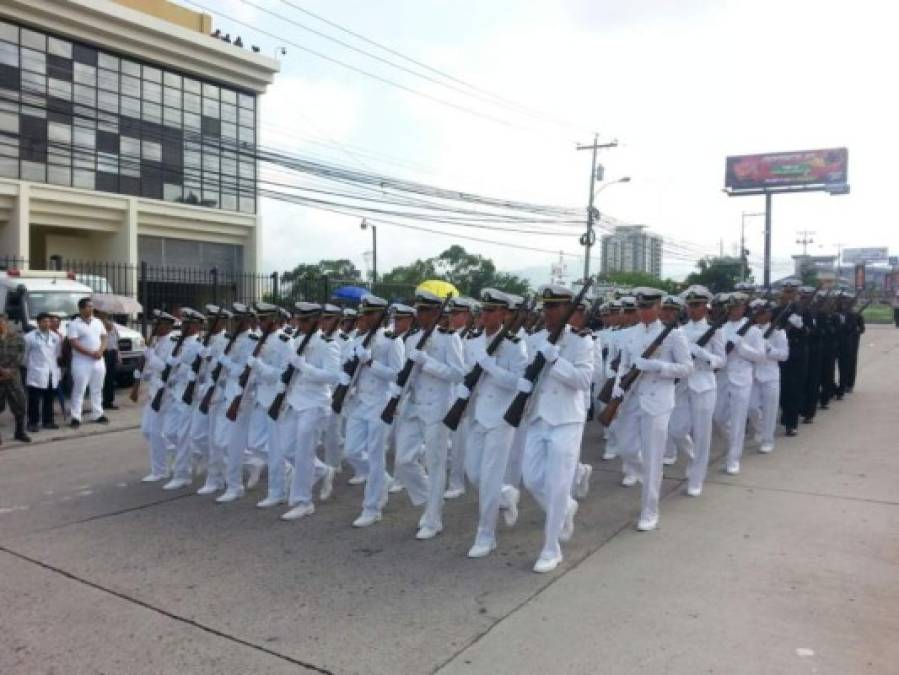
x=307 y=309
x=372 y=303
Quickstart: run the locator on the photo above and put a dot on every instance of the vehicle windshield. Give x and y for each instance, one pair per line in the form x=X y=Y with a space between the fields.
x=61 y=303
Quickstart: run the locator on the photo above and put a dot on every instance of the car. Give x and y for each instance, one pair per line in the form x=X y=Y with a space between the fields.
x=26 y=293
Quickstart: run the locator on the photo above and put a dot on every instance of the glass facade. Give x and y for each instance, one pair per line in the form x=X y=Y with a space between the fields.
x=74 y=115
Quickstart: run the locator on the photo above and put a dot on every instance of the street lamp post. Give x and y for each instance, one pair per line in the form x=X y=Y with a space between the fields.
x=374 y=248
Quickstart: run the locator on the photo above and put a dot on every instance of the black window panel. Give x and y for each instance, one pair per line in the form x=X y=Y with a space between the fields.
x=152 y=131
x=84 y=54
x=172 y=156
x=33 y=138
x=129 y=185
x=108 y=182
x=60 y=110
x=172 y=174
x=210 y=126
x=10 y=77
x=129 y=126
x=59 y=67
x=151 y=180
x=107 y=142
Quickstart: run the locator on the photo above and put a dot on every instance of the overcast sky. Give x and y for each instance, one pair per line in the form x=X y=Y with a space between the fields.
x=679 y=84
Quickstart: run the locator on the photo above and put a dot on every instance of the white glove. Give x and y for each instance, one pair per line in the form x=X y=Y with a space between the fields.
x=736 y=340
x=191 y=376
x=280 y=388
x=251 y=361
x=768 y=348
x=695 y=349
x=136 y=374
x=478 y=351
x=204 y=352
x=395 y=390
x=550 y=351
x=363 y=354
x=298 y=362
x=648 y=365
x=525 y=386
x=417 y=356
x=486 y=362
x=171 y=360
x=226 y=362
x=795 y=320
x=462 y=392
x=617 y=391
x=343 y=379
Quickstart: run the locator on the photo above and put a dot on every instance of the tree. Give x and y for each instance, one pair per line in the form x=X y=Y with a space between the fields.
x=338 y=269
x=634 y=279
x=719 y=275
x=469 y=272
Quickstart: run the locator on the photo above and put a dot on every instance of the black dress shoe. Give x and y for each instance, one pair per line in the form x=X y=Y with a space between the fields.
x=791 y=432
x=823 y=406
x=110 y=406
x=32 y=428
x=806 y=420
x=102 y=419
x=51 y=426
x=75 y=424
x=22 y=436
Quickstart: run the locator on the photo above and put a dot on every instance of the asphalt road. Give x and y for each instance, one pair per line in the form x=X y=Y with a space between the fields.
x=792 y=566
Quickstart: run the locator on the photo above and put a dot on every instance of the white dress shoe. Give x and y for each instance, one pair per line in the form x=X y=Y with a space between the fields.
x=694 y=491
x=547 y=563
x=426 y=532
x=766 y=448
x=327 y=484
x=394 y=486
x=356 y=480
x=176 y=484
x=733 y=468
x=629 y=480
x=610 y=453
x=209 y=489
x=582 y=489
x=255 y=474
x=668 y=461
x=647 y=524
x=511 y=496
x=299 y=511
x=453 y=493
x=268 y=502
x=480 y=550
x=567 y=531
x=153 y=478
x=367 y=519
x=230 y=495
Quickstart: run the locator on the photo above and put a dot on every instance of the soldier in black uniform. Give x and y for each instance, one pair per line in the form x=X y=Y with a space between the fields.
x=809 y=304
x=793 y=370
x=828 y=326
x=847 y=341
x=857 y=322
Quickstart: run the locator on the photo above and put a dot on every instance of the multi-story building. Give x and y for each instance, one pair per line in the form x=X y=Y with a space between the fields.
x=127 y=133
x=631 y=248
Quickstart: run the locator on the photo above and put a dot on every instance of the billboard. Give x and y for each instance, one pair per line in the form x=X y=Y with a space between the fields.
x=787 y=169
x=869 y=254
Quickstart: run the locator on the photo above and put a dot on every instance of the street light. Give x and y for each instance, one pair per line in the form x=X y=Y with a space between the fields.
x=588 y=239
x=374 y=248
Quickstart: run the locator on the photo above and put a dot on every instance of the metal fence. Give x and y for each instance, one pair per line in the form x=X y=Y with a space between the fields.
x=168 y=288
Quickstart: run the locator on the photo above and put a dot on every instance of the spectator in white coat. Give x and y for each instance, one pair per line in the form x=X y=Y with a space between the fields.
x=88 y=339
x=43 y=348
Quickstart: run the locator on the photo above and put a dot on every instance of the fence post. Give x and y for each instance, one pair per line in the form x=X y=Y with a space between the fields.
x=276 y=295
x=214 y=273
x=143 y=298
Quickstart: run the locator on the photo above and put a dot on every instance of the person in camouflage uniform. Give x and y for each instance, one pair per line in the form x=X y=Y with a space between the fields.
x=12 y=356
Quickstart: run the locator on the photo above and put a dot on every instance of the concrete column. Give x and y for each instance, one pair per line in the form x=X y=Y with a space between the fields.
x=15 y=238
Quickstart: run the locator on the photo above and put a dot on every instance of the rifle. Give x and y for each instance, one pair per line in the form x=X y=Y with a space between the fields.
x=274 y=409
x=741 y=331
x=233 y=409
x=351 y=367
x=156 y=404
x=454 y=416
x=864 y=307
x=516 y=409
x=781 y=320
x=188 y=396
x=403 y=377
x=216 y=374
x=608 y=413
x=605 y=394
x=135 y=388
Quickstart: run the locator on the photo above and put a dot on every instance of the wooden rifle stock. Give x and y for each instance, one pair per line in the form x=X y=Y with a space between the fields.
x=605 y=394
x=402 y=378
x=216 y=374
x=351 y=367
x=234 y=408
x=454 y=416
x=274 y=410
x=156 y=403
x=516 y=409
x=608 y=413
x=188 y=396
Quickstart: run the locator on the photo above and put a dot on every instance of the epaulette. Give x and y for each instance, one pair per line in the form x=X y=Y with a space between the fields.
x=412 y=331
x=228 y=336
x=390 y=335
x=585 y=332
x=514 y=339
x=446 y=331
x=284 y=336
x=474 y=333
x=344 y=336
x=253 y=336
x=325 y=338
x=174 y=338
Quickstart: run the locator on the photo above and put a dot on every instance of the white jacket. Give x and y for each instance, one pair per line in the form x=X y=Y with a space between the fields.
x=181 y=372
x=498 y=383
x=270 y=365
x=559 y=394
x=777 y=349
x=41 y=353
x=706 y=360
x=154 y=362
x=234 y=362
x=317 y=370
x=432 y=385
x=654 y=390
x=749 y=350
x=370 y=393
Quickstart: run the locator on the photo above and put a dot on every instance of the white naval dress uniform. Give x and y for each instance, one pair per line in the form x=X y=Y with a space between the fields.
x=309 y=400
x=151 y=420
x=737 y=386
x=652 y=396
x=690 y=428
x=459 y=437
x=554 y=421
x=200 y=433
x=766 y=386
x=516 y=452
x=420 y=431
x=366 y=434
x=618 y=336
x=582 y=470
x=233 y=434
x=489 y=435
x=175 y=412
x=333 y=428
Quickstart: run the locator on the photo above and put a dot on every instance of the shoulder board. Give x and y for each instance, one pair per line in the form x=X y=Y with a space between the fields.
x=514 y=339
x=412 y=331
x=446 y=331
x=390 y=335
x=173 y=338
x=325 y=338
x=253 y=336
x=284 y=336
x=586 y=332
x=344 y=336
x=473 y=334
x=228 y=336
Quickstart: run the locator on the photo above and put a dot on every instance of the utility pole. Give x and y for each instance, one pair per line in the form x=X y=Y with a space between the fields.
x=589 y=237
x=805 y=238
x=743 y=252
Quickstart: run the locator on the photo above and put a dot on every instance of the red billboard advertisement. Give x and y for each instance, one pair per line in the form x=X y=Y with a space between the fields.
x=859 y=276
x=787 y=169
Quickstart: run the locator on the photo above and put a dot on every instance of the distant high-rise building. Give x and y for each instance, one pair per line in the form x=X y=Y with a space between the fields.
x=631 y=248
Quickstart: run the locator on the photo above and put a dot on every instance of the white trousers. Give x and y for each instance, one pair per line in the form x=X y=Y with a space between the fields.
x=308 y=469
x=259 y=428
x=218 y=442
x=766 y=399
x=516 y=455
x=690 y=430
x=486 y=458
x=176 y=417
x=417 y=440
x=87 y=374
x=627 y=445
x=199 y=433
x=731 y=417
x=457 y=449
x=366 y=438
x=151 y=427
x=550 y=458
x=236 y=435
x=649 y=433
x=279 y=447
x=333 y=441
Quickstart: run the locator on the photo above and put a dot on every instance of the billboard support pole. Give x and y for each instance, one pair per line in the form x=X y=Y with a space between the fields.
x=767 y=240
